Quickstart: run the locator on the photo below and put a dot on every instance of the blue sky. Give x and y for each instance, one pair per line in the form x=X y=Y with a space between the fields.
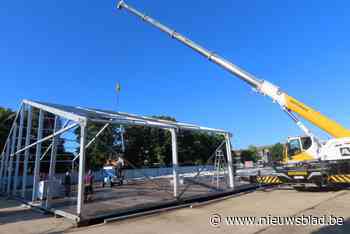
x=73 y=52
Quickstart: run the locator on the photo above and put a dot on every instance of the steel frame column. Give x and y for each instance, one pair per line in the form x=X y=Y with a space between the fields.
x=10 y=166
x=11 y=130
x=229 y=161
x=175 y=162
x=19 y=145
x=37 y=156
x=48 y=138
x=4 y=164
x=7 y=156
x=49 y=148
x=52 y=169
x=92 y=140
x=81 y=185
x=26 y=152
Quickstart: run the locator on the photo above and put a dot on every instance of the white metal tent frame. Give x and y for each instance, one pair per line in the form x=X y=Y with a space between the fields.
x=79 y=117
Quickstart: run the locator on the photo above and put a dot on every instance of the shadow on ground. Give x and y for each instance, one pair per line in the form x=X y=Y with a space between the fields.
x=315 y=189
x=11 y=211
x=324 y=189
x=13 y=216
x=339 y=229
x=6 y=203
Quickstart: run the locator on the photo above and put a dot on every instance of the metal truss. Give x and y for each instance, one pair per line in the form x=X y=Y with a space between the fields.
x=76 y=117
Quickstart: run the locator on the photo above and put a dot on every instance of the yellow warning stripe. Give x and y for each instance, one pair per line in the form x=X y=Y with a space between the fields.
x=339 y=179
x=268 y=180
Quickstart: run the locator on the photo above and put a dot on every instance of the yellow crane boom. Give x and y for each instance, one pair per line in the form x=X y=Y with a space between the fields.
x=330 y=126
x=288 y=103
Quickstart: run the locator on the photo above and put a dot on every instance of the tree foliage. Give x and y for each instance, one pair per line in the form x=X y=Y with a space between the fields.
x=251 y=154
x=248 y=155
x=6 y=119
x=150 y=147
x=277 y=152
x=145 y=146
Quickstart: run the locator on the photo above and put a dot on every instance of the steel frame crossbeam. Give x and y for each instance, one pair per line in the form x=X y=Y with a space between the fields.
x=80 y=117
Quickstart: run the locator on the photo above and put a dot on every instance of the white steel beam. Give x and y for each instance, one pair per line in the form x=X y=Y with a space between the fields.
x=120 y=118
x=229 y=161
x=2 y=167
x=142 y=122
x=26 y=152
x=81 y=185
x=7 y=156
x=175 y=162
x=49 y=148
x=39 y=141
x=37 y=156
x=12 y=127
x=10 y=166
x=92 y=140
x=52 y=169
x=4 y=155
x=131 y=119
x=18 y=156
x=56 y=111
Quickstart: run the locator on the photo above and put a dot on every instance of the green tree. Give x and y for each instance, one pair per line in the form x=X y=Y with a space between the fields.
x=247 y=155
x=102 y=149
x=150 y=147
x=250 y=154
x=6 y=118
x=277 y=152
x=254 y=152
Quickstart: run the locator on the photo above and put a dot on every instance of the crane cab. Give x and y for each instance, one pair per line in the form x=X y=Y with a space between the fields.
x=299 y=149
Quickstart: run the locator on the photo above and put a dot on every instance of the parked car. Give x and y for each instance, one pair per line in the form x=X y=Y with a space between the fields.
x=110 y=176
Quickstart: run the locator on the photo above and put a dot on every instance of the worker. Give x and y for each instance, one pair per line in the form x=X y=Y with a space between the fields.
x=120 y=166
x=67 y=183
x=89 y=183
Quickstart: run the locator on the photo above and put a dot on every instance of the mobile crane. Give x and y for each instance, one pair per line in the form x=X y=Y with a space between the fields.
x=306 y=159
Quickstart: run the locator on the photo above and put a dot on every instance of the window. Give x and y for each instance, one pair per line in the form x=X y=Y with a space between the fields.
x=306 y=142
x=294 y=147
x=345 y=151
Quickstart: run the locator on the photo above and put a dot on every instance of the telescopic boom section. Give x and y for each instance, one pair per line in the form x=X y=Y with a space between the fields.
x=250 y=79
x=287 y=102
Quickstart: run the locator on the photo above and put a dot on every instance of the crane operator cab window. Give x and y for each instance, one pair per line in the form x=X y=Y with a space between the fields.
x=306 y=142
x=298 y=145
